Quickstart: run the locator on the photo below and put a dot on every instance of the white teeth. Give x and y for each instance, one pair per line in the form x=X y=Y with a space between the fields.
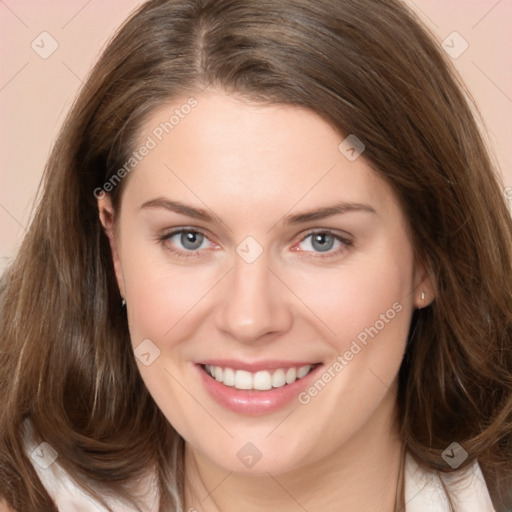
x=291 y=375
x=278 y=379
x=243 y=380
x=261 y=381
x=229 y=377
x=303 y=371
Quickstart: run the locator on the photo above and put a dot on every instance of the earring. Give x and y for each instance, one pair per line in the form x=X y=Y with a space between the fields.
x=123 y=303
x=422 y=296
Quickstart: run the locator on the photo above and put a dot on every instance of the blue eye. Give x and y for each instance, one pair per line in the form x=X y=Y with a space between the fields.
x=191 y=242
x=324 y=242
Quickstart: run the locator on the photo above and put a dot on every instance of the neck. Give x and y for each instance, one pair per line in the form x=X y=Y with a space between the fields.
x=361 y=474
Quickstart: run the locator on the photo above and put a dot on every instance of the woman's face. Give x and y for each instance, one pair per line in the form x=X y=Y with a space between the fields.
x=253 y=246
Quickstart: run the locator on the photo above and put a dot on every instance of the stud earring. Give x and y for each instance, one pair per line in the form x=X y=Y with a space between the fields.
x=123 y=303
x=422 y=296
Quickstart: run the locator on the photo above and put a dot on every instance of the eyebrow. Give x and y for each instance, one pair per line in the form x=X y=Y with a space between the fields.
x=296 y=218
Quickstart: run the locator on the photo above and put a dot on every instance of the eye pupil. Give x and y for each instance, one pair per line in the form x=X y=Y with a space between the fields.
x=190 y=239
x=325 y=240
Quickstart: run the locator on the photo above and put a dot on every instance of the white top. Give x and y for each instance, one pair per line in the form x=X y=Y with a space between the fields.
x=423 y=489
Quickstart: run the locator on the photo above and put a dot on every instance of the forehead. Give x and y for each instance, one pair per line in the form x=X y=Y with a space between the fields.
x=256 y=157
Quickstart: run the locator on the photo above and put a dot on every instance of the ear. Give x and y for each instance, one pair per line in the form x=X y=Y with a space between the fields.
x=107 y=218
x=424 y=288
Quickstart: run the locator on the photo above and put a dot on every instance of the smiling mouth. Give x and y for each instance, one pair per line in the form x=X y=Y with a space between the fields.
x=264 y=380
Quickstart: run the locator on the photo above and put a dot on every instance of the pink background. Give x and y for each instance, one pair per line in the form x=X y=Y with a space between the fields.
x=35 y=93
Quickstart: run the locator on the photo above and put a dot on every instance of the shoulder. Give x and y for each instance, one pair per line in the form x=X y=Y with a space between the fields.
x=66 y=494
x=427 y=490
x=45 y=460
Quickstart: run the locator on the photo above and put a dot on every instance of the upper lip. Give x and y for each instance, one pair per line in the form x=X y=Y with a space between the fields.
x=255 y=366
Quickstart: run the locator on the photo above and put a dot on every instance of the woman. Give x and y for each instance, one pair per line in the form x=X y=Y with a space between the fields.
x=270 y=269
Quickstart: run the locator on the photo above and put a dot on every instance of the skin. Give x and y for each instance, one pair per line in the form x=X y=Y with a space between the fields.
x=250 y=165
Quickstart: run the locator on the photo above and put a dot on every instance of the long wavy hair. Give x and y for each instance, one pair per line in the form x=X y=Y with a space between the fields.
x=369 y=68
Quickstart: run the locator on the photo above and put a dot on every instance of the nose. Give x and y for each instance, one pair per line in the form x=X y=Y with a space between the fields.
x=255 y=306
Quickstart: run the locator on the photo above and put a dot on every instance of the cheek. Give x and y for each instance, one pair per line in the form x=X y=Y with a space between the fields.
x=368 y=308
x=360 y=299
x=164 y=300
x=161 y=295
x=160 y=300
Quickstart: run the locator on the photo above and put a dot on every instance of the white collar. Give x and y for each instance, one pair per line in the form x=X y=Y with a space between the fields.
x=424 y=489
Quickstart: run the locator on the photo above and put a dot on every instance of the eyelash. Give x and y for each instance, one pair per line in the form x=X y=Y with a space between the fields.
x=196 y=253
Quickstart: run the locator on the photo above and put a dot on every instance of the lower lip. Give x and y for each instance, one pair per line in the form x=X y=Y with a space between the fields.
x=254 y=402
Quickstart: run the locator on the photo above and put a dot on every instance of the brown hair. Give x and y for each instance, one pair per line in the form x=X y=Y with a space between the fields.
x=368 y=68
